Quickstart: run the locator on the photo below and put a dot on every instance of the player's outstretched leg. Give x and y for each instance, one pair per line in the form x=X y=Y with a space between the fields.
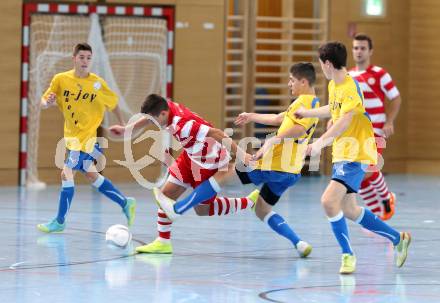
x=400 y=240
x=201 y=193
x=106 y=187
x=223 y=206
x=276 y=222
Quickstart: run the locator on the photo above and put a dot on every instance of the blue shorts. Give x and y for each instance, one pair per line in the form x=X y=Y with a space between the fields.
x=275 y=183
x=79 y=160
x=350 y=174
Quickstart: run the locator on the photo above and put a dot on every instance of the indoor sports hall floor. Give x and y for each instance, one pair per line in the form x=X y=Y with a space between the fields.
x=216 y=259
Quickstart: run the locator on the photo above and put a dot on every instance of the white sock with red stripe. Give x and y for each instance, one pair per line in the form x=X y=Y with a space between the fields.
x=378 y=182
x=163 y=226
x=225 y=206
x=370 y=198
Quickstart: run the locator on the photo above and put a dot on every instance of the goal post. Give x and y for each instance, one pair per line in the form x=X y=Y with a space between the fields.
x=133 y=51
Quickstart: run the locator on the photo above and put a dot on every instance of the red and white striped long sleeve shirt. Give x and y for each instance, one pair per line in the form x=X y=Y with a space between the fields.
x=376 y=84
x=191 y=131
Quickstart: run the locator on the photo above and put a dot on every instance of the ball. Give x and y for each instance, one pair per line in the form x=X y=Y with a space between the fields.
x=118 y=235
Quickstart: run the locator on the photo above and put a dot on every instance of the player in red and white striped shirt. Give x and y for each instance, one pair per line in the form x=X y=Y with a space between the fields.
x=376 y=85
x=202 y=156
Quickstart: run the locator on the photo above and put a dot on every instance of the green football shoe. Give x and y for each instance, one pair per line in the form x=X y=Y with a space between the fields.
x=130 y=210
x=156 y=247
x=52 y=226
x=402 y=248
x=348 y=264
x=253 y=196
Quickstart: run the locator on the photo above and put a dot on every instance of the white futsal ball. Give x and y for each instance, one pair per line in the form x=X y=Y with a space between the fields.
x=118 y=235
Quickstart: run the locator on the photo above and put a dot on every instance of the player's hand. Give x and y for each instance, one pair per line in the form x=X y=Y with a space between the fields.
x=246 y=158
x=258 y=155
x=388 y=129
x=243 y=119
x=300 y=113
x=51 y=100
x=266 y=146
x=117 y=130
x=313 y=149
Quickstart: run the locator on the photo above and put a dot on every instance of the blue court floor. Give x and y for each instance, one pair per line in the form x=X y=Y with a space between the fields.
x=216 y=259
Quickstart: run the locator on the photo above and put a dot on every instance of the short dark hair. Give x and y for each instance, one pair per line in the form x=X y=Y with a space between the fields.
x=81 y=47
x=364 y=37
x=335 y=52
x=304 y=70
x=154 y=105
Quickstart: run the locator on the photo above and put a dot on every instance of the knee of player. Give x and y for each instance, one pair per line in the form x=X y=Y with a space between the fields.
x=327 y=202
x=262 y=209
x=351 y=211
x=169 y=192
x=221 y=177
x=65 y=175
x=91 y=176
x=201 y=210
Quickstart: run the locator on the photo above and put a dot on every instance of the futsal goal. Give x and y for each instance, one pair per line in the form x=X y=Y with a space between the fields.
x=132 y=51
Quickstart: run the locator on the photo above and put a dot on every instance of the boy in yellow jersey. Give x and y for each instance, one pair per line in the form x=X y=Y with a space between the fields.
x=354 y=149
x=279 y=165
x=83 y=98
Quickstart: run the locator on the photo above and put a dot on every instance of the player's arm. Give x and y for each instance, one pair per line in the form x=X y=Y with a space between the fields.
x=393 y=107
x=118 y=114
x=119 y=130
x=266 y=119
x=219 y=136
x=320 y=112
x=294 y=132
x=329 y=123
x=329 y=136
x=49 y=97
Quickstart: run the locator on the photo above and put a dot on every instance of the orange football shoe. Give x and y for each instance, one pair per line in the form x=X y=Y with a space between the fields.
x=388 y=207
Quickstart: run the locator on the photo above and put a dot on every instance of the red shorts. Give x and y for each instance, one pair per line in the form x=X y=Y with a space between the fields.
x=188 y=172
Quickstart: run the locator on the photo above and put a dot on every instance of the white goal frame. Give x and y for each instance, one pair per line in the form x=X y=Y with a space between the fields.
x=158 y=11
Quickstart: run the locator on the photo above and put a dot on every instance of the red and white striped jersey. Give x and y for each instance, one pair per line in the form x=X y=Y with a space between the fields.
x=376 y=84
x=191 y=131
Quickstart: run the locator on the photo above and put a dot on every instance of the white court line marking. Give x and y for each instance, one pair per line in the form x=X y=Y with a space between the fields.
x=428 y=221
x=13 y=266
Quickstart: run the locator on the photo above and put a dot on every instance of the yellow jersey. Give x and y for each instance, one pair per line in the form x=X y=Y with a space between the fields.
x=357 y=142
x=288 y=155
x=83 y=102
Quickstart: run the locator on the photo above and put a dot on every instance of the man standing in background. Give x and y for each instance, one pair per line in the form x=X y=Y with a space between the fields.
x=376 y=84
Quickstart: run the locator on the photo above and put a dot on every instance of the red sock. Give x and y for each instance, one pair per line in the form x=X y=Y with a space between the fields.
x=370 y=198
x=378 y=182
x=224 y=206
x=163 y=226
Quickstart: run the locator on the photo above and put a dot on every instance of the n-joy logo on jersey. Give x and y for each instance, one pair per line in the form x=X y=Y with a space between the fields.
x=80 y=95
x=336 y=105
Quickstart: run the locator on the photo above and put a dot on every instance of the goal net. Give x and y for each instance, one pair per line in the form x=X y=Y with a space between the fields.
x=130 y=53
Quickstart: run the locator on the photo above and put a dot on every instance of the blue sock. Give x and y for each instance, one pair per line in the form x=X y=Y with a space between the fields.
x=106 y=187
x=370 y=221
x=280 y=226
x=66 y=196
x=340 y=230
x=203 y=192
